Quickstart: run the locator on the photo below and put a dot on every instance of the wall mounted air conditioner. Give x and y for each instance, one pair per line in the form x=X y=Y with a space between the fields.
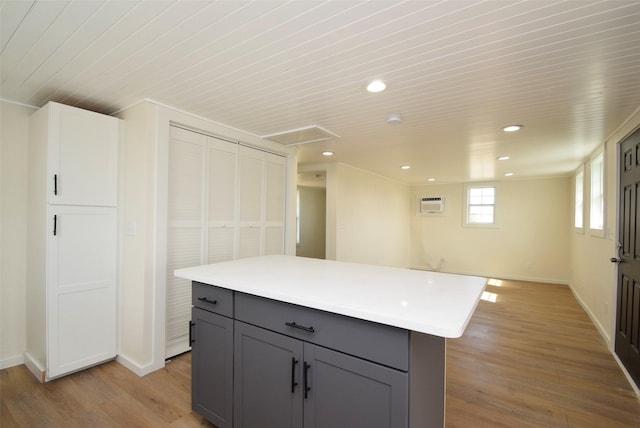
x=431 y=204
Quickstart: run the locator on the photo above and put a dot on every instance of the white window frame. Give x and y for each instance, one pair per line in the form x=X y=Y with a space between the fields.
x=597 y=222
x=578 y=200
x=468 y=205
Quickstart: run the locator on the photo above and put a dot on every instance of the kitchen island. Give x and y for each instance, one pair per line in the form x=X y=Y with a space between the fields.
x=283 y=341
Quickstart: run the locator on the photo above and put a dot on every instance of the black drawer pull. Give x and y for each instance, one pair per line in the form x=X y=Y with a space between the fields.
x=293 y=374
x=305 y=379
x=300 y=327
x=205 y=300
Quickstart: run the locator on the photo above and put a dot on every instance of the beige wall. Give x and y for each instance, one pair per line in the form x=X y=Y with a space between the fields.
x=371 y=217
x=14 y=137
x=313 y=220
x=530 y=242
x=593 y=276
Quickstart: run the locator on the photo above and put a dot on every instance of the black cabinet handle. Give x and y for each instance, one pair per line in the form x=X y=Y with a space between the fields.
x=55 y=184
x=300 y=327
x=205 y=300
x=293 y=374
x=305 y=379
x=55 y=225
x=191 y=340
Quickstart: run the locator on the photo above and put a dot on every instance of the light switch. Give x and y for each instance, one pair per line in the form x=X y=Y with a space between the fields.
x=131 y=228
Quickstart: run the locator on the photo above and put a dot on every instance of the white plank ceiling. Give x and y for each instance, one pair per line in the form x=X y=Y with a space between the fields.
x=457 y=72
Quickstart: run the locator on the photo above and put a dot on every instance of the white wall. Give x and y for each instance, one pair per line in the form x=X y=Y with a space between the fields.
x=530 y=242
x=14 y=139
x=593 y=277
x=313 y=220
x=371 y=217
x=144 y=203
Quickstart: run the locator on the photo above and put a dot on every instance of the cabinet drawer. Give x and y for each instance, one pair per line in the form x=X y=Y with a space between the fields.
x=374 y=342
x=212 y=298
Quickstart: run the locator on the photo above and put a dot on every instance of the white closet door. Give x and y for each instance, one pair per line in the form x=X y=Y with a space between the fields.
x=222 y=200
x=81 y=292
x=82 y=157
x=185 y=223
x=275 y=189
x=251 y=202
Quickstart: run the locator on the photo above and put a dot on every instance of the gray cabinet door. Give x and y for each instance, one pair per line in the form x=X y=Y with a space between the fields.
x=212 y=367
x=347 y=392
x=267 y=383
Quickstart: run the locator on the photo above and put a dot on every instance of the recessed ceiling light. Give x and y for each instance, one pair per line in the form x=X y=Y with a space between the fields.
x=327 y=153
x=405 y=167
x=376 y=86
x=508 y=174
x=503 y=158
x=394 y=118
x=512 y=128
x=431 y=179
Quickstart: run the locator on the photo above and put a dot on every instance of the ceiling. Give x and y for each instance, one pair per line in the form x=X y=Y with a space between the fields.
x=457 y=72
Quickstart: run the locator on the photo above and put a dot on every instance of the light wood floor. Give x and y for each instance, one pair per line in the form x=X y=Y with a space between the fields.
x=530 y=359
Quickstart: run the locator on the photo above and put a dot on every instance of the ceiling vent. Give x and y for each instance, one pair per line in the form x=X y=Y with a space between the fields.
x=305 y=135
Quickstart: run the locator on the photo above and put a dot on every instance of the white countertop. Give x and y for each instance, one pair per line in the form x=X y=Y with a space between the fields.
x=435 y=303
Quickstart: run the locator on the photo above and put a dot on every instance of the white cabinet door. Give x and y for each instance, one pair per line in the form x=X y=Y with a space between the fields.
x=82 y=157
x=81 y=287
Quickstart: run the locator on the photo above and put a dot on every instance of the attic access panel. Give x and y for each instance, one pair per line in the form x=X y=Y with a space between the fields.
x=305 y=135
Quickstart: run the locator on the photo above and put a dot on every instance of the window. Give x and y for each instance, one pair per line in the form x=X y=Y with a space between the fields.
x=481 y=205
x=579 y=197
x=596 y=217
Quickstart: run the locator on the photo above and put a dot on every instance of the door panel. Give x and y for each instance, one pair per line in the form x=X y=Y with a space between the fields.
x=83 y=157
x=350 y=392
x=81 y=294
x=212 y=367
x=267 y=382
x=627 y=339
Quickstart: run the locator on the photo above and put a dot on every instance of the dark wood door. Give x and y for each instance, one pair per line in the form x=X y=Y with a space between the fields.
x=627 y=344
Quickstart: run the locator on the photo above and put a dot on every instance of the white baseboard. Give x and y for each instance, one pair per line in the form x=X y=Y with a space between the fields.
x=605 y=335
x=607 y=339
x=11 y=362
x=139 y=369
x=491 y=275
x=35 y=367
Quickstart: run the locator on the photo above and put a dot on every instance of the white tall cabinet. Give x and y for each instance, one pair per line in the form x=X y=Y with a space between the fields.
x=72 y=240
x=225 y=201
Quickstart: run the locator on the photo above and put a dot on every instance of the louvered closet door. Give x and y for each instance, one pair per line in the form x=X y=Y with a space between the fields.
x=222 y=200
x=185 y=225
x=251 y=202
x=275 y=186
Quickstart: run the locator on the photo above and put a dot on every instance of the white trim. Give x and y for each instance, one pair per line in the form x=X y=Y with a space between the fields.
x=11 y=361
x=135 y=367
x=4 y=100
x=465 y=205
x=497 y=276
x=35 y=367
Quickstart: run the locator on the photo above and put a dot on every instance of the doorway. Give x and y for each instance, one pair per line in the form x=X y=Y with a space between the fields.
x=311 y=216
x=627 y=340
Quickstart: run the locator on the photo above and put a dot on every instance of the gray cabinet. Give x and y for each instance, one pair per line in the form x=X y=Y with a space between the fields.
x=212 y=355
x=282 y=382
x=344 y=391
x=268 y=384
x=261 y=363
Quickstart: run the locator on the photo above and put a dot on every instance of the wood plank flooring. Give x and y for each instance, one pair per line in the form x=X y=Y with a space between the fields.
x=532 y=358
